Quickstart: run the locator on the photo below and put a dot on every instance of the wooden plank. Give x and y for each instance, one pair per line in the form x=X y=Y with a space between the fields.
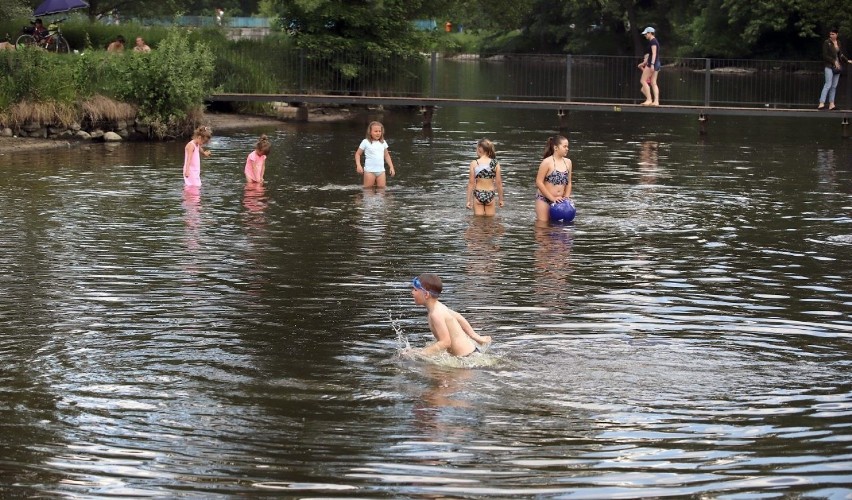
x=545 y=105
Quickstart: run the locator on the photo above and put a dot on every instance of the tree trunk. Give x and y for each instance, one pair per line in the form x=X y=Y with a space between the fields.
x=635 y=37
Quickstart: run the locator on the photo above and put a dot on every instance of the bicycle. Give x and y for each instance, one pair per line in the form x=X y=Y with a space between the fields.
x=50 y=39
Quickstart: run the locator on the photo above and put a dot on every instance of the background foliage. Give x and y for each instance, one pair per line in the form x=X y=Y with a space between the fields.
x=777 y=29
x=167 y=85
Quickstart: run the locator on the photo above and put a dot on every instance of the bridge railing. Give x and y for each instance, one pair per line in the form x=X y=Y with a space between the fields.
x=577 y=78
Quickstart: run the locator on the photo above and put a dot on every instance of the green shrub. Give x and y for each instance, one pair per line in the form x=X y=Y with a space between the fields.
x=32 y=74
x=169 y=83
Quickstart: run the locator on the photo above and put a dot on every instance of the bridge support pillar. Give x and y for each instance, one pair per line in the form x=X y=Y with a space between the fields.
x=844 y=125
x=427 y=112
x=301 y=112
x=702 y=124
x=563 y=119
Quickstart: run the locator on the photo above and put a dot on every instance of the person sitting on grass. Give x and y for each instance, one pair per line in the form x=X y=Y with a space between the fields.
x=39 y=30
x=141 y=46
x=116 y=45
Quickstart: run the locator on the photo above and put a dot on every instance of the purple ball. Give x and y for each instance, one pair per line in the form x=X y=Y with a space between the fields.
x=563 y=211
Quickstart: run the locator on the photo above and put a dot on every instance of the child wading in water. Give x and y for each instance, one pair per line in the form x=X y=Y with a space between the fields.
x=256 y=160
x=375 y=151
x=453 y=334
x=192 y=156
x=486 y=181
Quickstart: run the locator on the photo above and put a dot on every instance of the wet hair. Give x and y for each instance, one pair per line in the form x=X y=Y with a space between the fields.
x=204 y=132
x=263 y=145
x=487 y=148
x=370 y=127
x=552 y=142
x=431 y=283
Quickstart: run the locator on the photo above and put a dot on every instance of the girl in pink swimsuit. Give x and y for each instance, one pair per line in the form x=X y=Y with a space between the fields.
x=192 y=156
x=256 y=161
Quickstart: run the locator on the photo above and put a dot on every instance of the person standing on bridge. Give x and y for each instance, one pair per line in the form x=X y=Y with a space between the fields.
x=834 y=58
x=374 y=148
x=650 y=67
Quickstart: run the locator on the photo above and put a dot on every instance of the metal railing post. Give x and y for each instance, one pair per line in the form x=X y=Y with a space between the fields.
x=433 y=74
x=301 y=71
x=707 y=77
x=847 y=100
x=569 y=63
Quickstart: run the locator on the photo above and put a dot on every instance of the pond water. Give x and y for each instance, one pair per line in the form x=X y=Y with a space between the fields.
x=689 y=335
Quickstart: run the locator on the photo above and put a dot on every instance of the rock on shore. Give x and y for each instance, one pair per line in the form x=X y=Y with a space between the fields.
x=44 y=139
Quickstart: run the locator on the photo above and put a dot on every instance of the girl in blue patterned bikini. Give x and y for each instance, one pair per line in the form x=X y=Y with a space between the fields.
x=554 y=177
x=485 y=182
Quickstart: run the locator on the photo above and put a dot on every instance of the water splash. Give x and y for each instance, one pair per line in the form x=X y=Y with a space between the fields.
x=402 y=343
x=485 y=359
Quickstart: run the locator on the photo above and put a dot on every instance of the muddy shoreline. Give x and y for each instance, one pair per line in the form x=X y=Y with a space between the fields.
x=216 y=120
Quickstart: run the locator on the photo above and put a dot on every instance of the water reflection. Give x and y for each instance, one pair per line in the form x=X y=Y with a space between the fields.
x=255 y=203
x=192 y=216
x=553 y=287
x=826 y=166
x=484 y=251
x=432 y=407
x=374 y=207
x=649 y=162
x=688 y=337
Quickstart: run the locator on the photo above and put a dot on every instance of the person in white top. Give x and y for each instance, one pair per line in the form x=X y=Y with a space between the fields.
x=374 y=149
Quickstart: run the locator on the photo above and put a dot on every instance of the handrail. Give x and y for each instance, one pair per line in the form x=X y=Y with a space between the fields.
x=530 y=77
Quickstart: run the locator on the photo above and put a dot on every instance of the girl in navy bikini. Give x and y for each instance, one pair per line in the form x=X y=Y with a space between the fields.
x=554 y=177
x=485 y=183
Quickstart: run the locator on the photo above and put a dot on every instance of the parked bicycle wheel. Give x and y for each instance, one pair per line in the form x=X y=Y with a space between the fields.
x=25 y=41
x=57 y=44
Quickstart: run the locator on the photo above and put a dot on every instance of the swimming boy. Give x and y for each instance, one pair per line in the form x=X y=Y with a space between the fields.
x=452 y=332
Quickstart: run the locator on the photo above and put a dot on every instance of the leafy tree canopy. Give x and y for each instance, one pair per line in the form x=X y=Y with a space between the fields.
x=693 y=28
x=14 y=9
x=382 y=27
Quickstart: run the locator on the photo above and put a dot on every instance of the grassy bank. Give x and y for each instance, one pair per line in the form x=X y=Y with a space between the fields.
x=164 y=88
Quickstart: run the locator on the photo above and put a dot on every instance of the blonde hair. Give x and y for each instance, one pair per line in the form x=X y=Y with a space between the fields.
x=204 y=132
x=263 y=145
x=487 y=148
x=370 y=127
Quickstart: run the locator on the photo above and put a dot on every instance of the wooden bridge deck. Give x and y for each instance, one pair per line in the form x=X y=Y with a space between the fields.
x=842 y=116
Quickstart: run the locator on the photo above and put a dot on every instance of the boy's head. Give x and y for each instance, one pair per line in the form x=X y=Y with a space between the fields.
x=426 y=285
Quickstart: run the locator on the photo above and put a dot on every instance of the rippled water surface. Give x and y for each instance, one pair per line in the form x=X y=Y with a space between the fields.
x=689 y=335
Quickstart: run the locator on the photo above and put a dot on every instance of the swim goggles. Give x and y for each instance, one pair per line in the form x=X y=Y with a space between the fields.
x=418 y=285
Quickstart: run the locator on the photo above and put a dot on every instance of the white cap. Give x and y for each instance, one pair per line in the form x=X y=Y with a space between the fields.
x=648 y=30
